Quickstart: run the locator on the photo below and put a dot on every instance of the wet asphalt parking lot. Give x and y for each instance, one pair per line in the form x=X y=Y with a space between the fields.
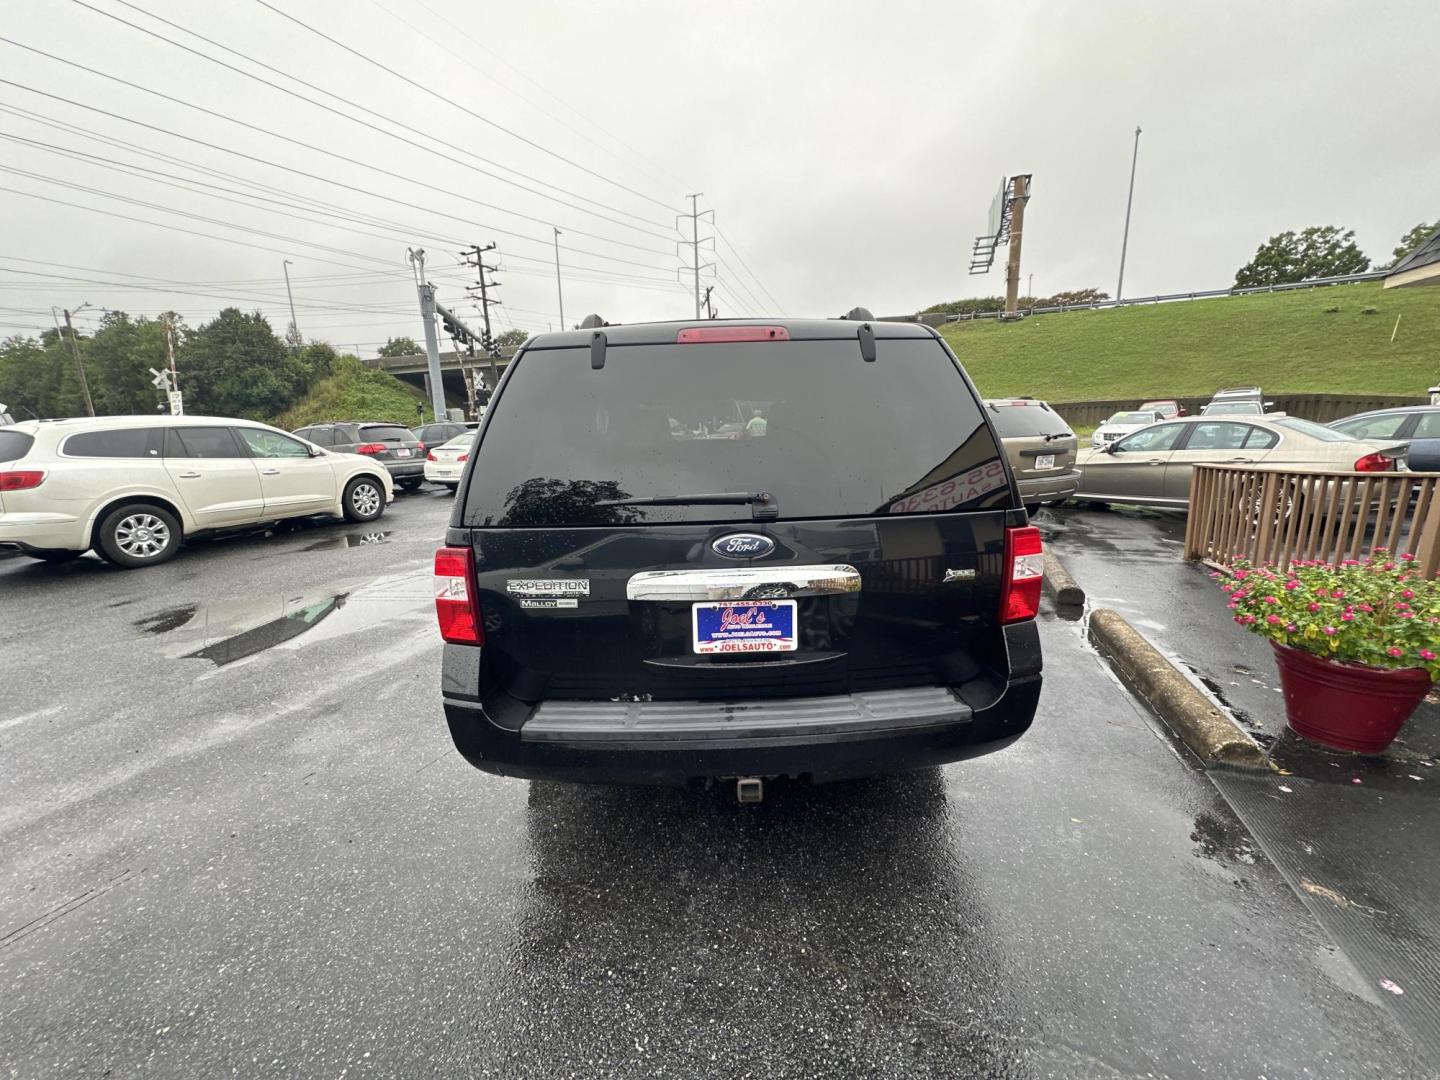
x=234 y=839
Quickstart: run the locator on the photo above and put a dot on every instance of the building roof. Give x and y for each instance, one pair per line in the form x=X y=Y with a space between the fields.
x=1420 y=267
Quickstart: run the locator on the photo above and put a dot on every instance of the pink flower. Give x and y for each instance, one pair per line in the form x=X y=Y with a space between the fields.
x=1330 y=631
x=1292 y=628
x=1272 y=599
x=1408 y=594
x=1338 y=594
x=1407 y=556
x=1231 y=605
x=1397 y=653
x=1388 y=566
x=1366 y=608
x=1427 y=654
x=1347 y=617
x=1227 y=588
x=1312 y=607
x=1291 y=585
x=1272 y=619
x=1320 y=590
x=1406 y=614
x=1241 y=575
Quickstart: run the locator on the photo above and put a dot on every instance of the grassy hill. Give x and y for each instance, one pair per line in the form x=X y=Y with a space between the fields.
x=355 y=392
x=1285 y=342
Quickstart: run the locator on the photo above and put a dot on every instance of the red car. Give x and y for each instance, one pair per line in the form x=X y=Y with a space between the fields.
x=1168 y=408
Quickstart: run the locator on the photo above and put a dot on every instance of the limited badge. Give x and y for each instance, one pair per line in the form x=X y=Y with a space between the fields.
x=549 y=587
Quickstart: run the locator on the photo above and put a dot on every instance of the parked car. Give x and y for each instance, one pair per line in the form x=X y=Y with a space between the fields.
x=1168 y=408
x=394 y=447
x=134 y=487
x=1237 y=401
x=1041 y=448
x=1153 y=467
x=849 y=591
x=445 y=463
x=431 y=435
x=1418 y=426
x=1121 y=424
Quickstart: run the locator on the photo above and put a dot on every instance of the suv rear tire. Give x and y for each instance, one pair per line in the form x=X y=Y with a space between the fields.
x=55 y=556
x=409 y=485
x=364 y=499
x=138 y=534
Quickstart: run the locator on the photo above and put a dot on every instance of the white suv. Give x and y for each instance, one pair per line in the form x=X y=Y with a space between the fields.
x=132 y=487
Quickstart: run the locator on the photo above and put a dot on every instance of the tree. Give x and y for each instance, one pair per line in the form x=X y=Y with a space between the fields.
x=236 y=366
x=1317 y=252
x=400 y=346
x=118 y=359
x=1414 y=238
x=512 y=339
x=1073 y=297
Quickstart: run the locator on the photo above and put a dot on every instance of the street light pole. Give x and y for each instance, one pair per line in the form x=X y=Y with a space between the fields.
x=559 y=291
x=294 y=326
x=1125 y=239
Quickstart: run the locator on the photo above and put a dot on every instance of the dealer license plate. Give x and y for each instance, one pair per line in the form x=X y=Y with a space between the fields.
x=1045 y=461
x=403 y=451
x=746 y=626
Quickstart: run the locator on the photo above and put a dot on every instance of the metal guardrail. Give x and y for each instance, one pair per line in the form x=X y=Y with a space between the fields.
x=1270 y=514
x=1348 y=279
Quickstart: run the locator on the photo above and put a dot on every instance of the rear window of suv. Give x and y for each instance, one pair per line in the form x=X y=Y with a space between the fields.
x=117 y=443
x=810 y=422
x=14 y=445
x=386 y=433
x=1020 y=421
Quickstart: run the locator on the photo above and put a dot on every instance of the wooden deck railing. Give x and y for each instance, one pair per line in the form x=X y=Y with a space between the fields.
x=1270 y=514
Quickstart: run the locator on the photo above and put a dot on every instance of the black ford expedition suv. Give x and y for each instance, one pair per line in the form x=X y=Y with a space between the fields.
x=736 y=550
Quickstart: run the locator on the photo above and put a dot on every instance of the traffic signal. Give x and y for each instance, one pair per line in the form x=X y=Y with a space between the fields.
x=453 y=326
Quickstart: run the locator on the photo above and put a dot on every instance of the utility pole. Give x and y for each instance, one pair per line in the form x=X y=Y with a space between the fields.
x=709 y=307
x=75 y=352
x=427 y=316
x=694 y=243
x=1018 y=198
x=294 y=326
x=559 y=292
x=484 y=286
x=1129 y=200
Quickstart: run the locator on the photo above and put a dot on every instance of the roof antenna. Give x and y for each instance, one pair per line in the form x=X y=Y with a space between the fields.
x=867 y=343
x=597 y=350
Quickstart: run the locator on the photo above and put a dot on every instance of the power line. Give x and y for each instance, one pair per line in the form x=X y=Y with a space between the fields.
x=670 y=177
x=364 y=123
x=303 y=145
x=779 y=310
x=315 y=176
x=455 y=104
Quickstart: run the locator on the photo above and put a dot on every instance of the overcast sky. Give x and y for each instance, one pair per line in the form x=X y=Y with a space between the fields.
x=849 y=151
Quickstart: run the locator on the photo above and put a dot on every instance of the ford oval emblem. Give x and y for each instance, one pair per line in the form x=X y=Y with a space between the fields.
x=743 y=546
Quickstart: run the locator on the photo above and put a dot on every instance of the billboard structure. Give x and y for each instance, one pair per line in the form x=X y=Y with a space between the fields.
x=997 y=228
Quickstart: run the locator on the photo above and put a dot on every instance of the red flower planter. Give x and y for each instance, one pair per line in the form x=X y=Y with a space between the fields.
x=1347 y=706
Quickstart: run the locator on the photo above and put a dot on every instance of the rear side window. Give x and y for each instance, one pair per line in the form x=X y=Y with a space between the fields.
x=119 y=443
x=1260 y=439
x=14 y=445
x=810 y=422
x=1374 y=427
x=1315 y=431
x=202 y=442
x=1018 y=421
x=389 y=433
x=1429 y=427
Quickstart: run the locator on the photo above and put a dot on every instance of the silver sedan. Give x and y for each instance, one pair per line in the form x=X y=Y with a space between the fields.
x=1152 y=467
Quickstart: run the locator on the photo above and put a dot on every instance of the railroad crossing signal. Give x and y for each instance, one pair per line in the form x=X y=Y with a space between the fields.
x=161 y=381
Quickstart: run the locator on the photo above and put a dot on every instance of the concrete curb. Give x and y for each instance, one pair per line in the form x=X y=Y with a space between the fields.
x=1214 y=737
x=1060 y=585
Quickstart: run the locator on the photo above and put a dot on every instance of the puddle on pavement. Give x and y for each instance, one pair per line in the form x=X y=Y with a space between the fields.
x=1224 y=841
x=348 y=540
x=230 y=630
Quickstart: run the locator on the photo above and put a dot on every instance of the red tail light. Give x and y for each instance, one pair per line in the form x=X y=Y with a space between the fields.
x=699 y=335
x=463 y=457
x=21 y=480
x=420 y=448
x=1024 y=571
x=456 y=605
x=370 y=448
x=1376 y=462
x=431 y=456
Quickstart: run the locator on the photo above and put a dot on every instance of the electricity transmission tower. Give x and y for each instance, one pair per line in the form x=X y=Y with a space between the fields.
x=695 y=243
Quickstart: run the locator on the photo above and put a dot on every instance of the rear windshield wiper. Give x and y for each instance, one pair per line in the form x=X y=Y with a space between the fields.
x=762 y=503
x=1056 y=435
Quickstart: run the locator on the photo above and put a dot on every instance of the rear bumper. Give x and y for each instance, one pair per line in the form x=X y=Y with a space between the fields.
x=42 y=532
x=405 y=469
x=1045 y=488
x=820 y=738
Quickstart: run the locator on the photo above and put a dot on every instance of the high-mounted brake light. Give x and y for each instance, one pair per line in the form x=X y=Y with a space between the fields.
x=456 y=605
x=1024 y=572
x=1376 y=462
x=370 y=448
x=21 y=479
x=700 y=335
